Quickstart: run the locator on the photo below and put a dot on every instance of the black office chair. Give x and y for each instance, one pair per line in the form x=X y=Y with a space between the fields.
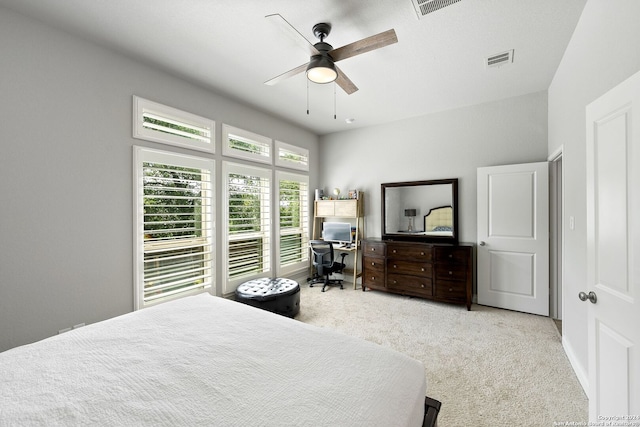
x=325 y=264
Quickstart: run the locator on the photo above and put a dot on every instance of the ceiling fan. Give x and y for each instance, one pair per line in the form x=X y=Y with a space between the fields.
x=321 y=67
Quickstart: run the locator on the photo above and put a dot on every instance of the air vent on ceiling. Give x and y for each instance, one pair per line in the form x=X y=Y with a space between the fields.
x=425 y=7
x=500 y=59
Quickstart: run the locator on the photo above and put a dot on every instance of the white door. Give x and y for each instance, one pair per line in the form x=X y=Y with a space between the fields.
x=612 y=290
x=513 y=237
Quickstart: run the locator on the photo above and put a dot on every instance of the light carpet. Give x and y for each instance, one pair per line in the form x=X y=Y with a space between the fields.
x=488 y=367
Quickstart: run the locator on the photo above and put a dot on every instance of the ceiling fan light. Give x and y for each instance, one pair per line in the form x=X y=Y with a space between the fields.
x=321 y=70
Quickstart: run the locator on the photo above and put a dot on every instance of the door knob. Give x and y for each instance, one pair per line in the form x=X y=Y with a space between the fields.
x=591 y=296
x=482 y=243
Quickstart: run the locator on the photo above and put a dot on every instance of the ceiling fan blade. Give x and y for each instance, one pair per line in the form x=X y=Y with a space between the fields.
x=300 y=69
x=345 y=83
x=365 y=45
x=293 y=34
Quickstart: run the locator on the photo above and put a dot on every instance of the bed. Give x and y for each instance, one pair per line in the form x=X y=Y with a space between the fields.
x=439 y=221
x=205 y=360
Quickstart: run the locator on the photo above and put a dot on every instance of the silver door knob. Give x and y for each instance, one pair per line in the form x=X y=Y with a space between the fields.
x=482 y=243
x=591 y=296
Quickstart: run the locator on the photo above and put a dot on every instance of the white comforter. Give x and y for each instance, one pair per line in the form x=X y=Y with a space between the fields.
x=208 y=361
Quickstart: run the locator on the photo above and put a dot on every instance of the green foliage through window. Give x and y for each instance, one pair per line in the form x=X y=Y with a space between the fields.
x=290 y=204
x=172 y=202
x=247 y=146
x=175 y=128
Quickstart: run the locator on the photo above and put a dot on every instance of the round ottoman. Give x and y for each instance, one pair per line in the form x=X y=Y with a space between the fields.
x=281 y=296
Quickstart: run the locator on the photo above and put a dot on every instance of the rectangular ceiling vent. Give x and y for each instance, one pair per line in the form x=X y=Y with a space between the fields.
x=425 y=7
x=500 y=59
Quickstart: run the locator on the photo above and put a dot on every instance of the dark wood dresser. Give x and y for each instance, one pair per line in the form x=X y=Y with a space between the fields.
x=437 y=271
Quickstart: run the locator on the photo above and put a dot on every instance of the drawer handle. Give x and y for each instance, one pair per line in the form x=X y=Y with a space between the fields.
x=450 y=289
x=373 y=263
x=373 y=277
x=395 y=282
x=450 y=255
x=422 y=269
x=421 y=253
x=394 y=251
x=450 y=273
x=422 y=285
x=395 y=266
x=373 y=249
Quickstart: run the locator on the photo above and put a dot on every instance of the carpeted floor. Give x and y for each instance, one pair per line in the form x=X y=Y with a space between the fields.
x=488 y=367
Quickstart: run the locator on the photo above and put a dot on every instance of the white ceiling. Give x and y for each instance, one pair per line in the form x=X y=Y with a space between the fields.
x=229 y=46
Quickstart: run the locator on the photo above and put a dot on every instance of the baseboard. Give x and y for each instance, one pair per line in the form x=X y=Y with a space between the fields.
x=583 y=377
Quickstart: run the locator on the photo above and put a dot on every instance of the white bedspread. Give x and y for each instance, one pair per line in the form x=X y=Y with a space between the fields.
x=208 y=361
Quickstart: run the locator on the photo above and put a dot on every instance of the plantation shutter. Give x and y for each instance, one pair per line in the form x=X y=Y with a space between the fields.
x=175 y=251
x=248 y=221
x=167 y=125
x=243 y=144
x=291 y=156
x=293 y=199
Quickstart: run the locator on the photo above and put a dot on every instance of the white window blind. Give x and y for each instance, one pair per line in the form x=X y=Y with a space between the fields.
x=291 y=156
x=246 y=145
x=293 y=222
x=248 y=221
x=161 y=123
x=174 y=216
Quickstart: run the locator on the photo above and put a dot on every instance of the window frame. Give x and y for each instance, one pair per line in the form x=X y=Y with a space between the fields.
x=303 y=152
x=142 y=106
x=303 y=264
x=230 y=284
x=248 y=136
x=143 y=155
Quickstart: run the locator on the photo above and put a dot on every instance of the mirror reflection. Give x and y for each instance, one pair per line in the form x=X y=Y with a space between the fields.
x=421 y=210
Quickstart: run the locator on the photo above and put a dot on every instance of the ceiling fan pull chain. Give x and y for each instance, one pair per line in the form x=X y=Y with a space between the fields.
x=307 y=96
x=334 y=100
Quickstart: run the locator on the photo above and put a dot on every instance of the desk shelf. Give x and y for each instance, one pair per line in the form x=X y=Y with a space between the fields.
x=352 y=209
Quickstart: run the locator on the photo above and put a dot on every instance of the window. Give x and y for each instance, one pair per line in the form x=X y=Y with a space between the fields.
x=246 y=145
x=248 y=219
x=293 y=222
x=160 y=123
x=174 y=226
x=291 y=156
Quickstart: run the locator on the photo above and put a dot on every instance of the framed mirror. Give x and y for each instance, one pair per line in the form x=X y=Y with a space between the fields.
x=425 y=211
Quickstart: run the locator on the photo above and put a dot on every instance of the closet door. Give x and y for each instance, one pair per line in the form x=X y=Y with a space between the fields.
x=513 y=237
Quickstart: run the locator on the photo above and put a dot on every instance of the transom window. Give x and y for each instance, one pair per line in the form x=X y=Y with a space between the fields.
x=291 y=156
x=167 y=125
x=243 y=144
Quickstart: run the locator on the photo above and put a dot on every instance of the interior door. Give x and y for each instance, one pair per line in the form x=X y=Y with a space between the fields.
x=513 y=237
x=613 y=249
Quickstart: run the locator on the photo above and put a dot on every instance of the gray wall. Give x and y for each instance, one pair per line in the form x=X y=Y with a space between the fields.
x=66 y=173
x=602 y=53
x=450 y=144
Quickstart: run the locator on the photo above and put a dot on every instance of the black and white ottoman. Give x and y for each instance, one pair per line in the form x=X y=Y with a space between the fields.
x=281 y=296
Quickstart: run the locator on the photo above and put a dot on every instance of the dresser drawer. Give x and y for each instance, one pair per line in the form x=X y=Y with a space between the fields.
x=373 y=265
x=373 y=248
x=422 y=253
x=373 y=280
x=400 y=266
x=416 y=285
x=451 y=290
x=458 y=255
x=373 y=272
x=451 y=272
